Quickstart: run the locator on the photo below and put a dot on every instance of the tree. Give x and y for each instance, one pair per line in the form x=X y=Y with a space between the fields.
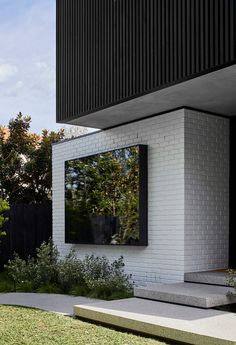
x=25 y=162
x=38 y=169
x=73 y=131
x=3 y=208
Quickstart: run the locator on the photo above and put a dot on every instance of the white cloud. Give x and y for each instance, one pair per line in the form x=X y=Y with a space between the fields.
x=19 y=84
x=41 y=65
x=6 y=71
x=11 y=91
x=27 y=41
x=28 y=48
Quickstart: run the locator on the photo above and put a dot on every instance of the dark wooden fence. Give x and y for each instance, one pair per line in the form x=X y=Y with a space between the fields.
x=28 y=226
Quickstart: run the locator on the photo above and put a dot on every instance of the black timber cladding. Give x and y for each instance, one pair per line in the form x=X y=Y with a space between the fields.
x=109 y=51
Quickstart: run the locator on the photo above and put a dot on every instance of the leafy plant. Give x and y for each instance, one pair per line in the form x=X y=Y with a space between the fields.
x=231 y=278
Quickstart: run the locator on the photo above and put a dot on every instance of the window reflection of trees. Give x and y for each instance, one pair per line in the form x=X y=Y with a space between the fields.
x=106 y=184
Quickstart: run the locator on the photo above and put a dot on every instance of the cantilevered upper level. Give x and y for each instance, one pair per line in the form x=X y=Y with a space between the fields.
x=121 y=60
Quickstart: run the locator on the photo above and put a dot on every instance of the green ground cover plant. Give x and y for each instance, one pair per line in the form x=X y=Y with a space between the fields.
x=26 y=326
x=93 y=276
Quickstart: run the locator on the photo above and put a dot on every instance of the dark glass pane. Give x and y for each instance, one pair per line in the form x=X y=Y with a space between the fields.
x=102 y=198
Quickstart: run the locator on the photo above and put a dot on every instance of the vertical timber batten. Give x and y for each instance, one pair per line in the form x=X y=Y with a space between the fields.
x=111 y=50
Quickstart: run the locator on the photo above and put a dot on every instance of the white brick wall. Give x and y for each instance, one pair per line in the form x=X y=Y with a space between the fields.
x=206 y=191
x=188 y=193
x=163 y=259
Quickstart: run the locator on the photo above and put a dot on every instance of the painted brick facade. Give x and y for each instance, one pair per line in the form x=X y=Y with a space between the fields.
x=206 y=191
x=163 y=259
x=173 y=239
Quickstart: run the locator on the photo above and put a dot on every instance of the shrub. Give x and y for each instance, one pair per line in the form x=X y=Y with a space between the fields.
x=25 y=286
x=70 y=272
x=80 y=290
x=5 y=283
x=103 y=278
x=21 y=271
x=94 y=276
x=34 y=273
x=45 y=267
x=49 y=288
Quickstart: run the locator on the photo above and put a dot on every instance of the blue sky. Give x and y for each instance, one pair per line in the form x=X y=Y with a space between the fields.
x=27 y=61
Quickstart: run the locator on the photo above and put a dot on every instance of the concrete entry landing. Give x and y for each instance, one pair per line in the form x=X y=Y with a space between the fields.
x=196 y=295
x=209 y=277
x=175 y=322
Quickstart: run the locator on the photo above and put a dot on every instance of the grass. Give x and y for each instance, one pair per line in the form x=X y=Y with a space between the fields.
x=26 y=326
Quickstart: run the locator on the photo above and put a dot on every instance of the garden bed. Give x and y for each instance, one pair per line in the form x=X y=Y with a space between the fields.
x=93 y=276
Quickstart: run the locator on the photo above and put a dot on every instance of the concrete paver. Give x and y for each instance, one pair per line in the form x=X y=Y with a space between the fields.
x=209 y=277
x=196 y=295
x=176 y=322
x=50 y=302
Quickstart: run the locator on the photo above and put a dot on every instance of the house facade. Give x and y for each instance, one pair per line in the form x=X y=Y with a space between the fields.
x=159 y=73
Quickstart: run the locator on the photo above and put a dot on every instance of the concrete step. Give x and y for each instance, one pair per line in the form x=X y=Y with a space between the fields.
x=191 y=294
x=210 y=277
x=170 y=321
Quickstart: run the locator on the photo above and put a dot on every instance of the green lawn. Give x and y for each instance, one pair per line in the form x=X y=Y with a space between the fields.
x=26 y=326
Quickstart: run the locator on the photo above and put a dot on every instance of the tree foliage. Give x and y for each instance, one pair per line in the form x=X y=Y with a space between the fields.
x=4 y=206
x=25 y=162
